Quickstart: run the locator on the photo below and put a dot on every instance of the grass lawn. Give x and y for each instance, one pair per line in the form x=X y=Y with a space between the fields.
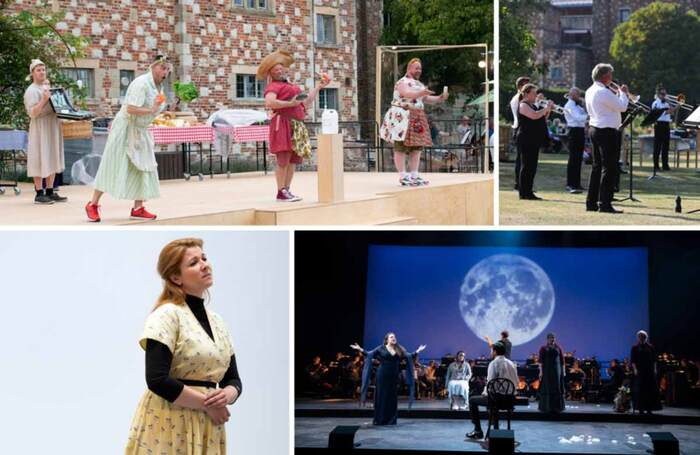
x=559 y=207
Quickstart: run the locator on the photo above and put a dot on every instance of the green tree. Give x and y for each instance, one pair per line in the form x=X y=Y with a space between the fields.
x=440 y=22
x=657 y=46
x=516 y=46
x=26 y=35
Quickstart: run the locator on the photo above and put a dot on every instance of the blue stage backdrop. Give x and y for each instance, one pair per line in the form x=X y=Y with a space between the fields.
x=449 y=298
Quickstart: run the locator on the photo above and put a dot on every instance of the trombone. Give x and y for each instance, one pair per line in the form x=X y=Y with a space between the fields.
x=679 y=102
x=634 y=99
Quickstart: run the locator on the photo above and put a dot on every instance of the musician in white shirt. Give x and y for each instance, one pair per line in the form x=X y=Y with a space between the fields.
x=576 y=117
x=514 y=106
x=500 y=367
x=605 y=108
x=662 y=129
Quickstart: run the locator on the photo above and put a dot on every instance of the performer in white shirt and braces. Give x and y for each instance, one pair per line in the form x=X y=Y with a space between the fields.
x=576 y=117
x=500 y=367
x=605 y=108
x=662 y=129
x=514 y=106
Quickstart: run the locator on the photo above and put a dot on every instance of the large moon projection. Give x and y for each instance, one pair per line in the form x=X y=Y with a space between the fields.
x=507 y=292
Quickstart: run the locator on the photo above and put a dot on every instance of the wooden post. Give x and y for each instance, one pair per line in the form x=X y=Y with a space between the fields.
x=330 y=168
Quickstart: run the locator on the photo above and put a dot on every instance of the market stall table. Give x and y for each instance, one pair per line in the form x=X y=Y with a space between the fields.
x=12 y=141
x=252 y=133
x=186 y=136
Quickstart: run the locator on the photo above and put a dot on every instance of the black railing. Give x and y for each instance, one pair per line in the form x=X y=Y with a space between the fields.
x=362 y=148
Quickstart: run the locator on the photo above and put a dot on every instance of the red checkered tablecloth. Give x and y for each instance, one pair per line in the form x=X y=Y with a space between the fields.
x=252 y=133
x=191 y=134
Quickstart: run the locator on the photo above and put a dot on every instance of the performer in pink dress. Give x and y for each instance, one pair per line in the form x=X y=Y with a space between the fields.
x=289 y=139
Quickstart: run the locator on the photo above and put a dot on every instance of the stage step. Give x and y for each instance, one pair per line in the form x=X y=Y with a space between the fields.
x=398 y=221
x=235 y=217
x=371 y=210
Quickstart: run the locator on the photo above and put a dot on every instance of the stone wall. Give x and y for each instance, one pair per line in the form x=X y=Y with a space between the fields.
x=370 y=21
x=210 y=42
x=575 y=64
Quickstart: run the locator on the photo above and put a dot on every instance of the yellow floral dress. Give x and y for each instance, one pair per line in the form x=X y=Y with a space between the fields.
x=160 y=427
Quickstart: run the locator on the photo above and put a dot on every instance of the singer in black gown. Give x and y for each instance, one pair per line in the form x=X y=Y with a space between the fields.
x=387 y=378
x=645 y=390
x=551 y=377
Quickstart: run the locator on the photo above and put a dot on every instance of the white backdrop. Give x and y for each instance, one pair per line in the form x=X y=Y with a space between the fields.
x=73 y=305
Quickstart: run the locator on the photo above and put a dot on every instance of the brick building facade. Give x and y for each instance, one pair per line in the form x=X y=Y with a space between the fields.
x=563 y=33
x=218 y=44
x=573 y=35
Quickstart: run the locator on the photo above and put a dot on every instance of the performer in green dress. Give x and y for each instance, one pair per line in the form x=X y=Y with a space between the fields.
x=128 y=169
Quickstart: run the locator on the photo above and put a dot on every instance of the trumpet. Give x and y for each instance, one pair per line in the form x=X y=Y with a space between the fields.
x=679 y=102
x=556 y=108
x=634 y=99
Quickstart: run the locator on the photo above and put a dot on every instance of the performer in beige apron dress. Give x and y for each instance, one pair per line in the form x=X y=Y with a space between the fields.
x=45 y=142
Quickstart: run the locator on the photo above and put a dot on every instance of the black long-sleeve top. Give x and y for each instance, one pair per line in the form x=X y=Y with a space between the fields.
x=159 y=359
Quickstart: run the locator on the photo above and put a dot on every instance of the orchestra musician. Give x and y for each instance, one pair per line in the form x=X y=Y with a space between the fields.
x=514 y=105
x=532 y=135
x=576 y=117
x=604 y=105
x=662 y=129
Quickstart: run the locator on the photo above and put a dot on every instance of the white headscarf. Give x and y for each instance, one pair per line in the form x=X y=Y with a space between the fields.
x=35 y=62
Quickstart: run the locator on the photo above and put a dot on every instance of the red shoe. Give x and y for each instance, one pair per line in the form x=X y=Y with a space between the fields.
x=141 y=214
x=93 y=212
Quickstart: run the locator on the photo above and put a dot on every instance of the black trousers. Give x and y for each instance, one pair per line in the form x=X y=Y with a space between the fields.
x=517 y=158
x=618 y=155
x=529 y=154
x=576 y=142
x=662 y=136
x=474 y=403
x=604 y=172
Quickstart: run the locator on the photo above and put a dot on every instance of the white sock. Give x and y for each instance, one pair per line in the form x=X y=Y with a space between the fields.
x=414 y=174
x=405 y=175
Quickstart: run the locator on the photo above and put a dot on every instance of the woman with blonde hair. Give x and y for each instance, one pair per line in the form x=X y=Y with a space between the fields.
x=405 y=124
x=191 y=369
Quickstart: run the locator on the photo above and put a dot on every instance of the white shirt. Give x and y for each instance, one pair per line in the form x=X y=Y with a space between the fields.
x=658 y=104
x=575 y=115
x=464 y=133
x=500 y=367
x=514 y=106
x=604 y=106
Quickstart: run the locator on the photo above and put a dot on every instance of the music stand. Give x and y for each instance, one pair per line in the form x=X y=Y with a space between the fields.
x=693 y=122
x=631 y=115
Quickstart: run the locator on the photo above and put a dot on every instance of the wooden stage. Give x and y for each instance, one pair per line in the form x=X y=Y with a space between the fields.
x=249 y=199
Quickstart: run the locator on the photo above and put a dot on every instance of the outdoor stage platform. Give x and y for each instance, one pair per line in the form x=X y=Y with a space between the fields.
x=430 y=426
x=249 y=199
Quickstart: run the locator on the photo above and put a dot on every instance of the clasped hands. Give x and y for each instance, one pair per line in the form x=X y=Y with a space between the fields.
x=215 y=402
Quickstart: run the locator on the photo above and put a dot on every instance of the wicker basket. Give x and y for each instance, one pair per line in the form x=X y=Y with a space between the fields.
x=80 y=129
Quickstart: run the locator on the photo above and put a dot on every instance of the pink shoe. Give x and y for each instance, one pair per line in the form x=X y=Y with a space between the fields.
x=284 y=195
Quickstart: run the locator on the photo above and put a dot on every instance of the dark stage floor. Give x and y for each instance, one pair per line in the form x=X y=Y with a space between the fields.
x=442 y=405
x=532 y=436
